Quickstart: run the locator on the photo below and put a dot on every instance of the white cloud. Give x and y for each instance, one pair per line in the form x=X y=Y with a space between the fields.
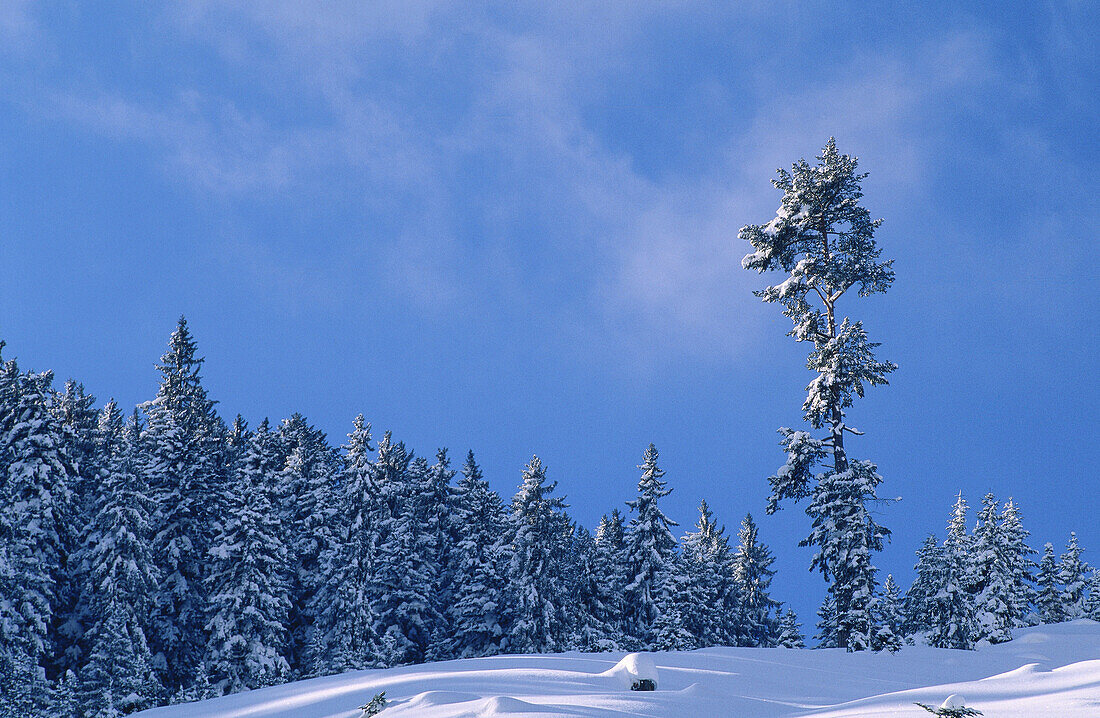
x=660 y=252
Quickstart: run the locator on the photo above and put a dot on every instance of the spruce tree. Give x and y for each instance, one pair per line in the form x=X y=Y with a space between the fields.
x=611 y=565
x=404 y=572
x=650 y=548
x=752 y=571
x=344 y=630
x=248 y=582
x=716 y=616
x=823 y=240
x=1018 y=566
x=77 y=422
x=826 y=635
x=35 y=504
x=1073 y=577
x=919 y=610
x=122 y=579
x=790 y=632
x=888 y=618
x=436 y=502
x=535 y=619
x=590 y=608
x=995 y=612
x=478 y=582
x=185 y=470
x=1048 y=598
x=308 y=506
x=952 y=609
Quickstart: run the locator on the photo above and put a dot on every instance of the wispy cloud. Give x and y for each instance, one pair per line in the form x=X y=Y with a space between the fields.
x=468 y=125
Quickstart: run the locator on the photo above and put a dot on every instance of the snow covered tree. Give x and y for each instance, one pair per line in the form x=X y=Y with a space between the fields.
x=404 y=571
x=995 y=610
x=77 y=421
x=536 y=621
x=35 y=501
x=919 y=610
x=717 y=615
x=185 y=470
x=611 y=565
x=1048 y=598
x=845 y=534
x=669 y=631
x=752 y=571
x=650 y=548
x=1073 y=576
x=590 y=610
x=122 y=581
x=308 y=506
x=344 y=628
x=1092 y=602
x=952 y=610
x=119 y=677
x=823 y=240
x=248 y=587
x=436 y=505
x=478 y=582
x=826 y=635
x=888 y=618
x=790 y=632
x=1018 y=566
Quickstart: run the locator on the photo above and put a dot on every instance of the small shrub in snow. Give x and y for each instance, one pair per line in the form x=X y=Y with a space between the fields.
x=952 y=707
x=375 y=706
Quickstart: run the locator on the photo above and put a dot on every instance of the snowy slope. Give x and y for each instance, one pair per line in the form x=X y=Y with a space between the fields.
x=1045 y=671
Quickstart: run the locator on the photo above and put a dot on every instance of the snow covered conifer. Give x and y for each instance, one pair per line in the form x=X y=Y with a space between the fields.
x=478 y=584
x=952 y=609
x=823 y=240
x=1073 y=576
x=35 y=501
x=845 y=534
x=591 y=606
x=826 y=635
x=308 y=507
x=122 y=581
x=185 y=470
x=344 y=629
x=995 y=613
x=716 y=616
x=919 y=609
x=752 y=571
x=536 y=621
x=790 y=632
x=1048 y=598
x=404 y=572
x=249 y=594
x=1018 y=565
x=888 y=618
x=650 y=548
x=611 y=564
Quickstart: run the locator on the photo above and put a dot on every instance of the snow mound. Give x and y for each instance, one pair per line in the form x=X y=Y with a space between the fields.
x=953 y=701
x=505 y=706
x=440 y=698
x=632 y=668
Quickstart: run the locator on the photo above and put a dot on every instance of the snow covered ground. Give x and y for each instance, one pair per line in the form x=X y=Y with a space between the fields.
x=1046 y=671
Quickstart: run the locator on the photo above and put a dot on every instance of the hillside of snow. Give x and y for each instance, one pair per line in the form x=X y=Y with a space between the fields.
x=1045 y=671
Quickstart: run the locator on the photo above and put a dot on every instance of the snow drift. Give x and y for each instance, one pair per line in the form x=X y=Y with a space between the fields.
x=1046 y=671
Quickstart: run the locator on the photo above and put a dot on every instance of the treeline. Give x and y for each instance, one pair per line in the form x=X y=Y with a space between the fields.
x=165 y=556
x=979 y=585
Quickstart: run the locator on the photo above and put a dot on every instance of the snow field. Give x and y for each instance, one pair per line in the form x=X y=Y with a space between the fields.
x=1046 y=671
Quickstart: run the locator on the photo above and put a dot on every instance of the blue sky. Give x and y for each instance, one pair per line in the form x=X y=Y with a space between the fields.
x=512 y=227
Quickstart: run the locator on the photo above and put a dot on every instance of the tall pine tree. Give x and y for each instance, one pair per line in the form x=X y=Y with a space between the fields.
x=823 y=240
x=650 y=549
